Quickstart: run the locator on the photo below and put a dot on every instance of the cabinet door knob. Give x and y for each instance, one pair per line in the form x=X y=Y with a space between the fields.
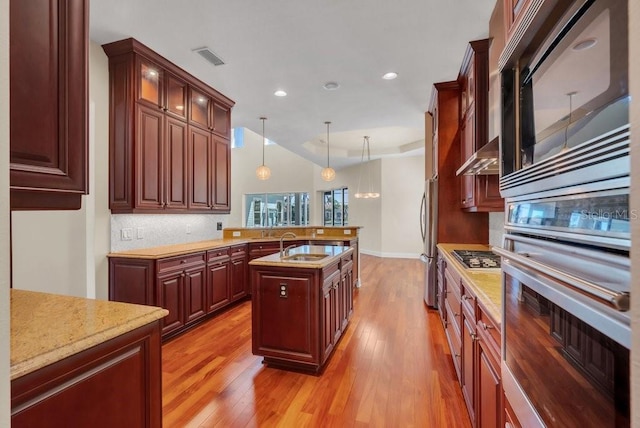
x=473 y=336
x=465 y=297
x=456 y=314
x=456 y=355
x=183 y=261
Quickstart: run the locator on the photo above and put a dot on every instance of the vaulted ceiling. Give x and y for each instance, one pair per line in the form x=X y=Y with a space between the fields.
x=300 y=45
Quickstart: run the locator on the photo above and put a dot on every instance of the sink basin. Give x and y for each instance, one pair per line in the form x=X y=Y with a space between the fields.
x=305 y=257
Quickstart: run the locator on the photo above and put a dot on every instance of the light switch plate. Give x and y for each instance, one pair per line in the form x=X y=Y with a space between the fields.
x=126 y=234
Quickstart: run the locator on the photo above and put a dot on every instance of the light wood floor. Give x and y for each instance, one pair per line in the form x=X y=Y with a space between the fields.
x=392 y=368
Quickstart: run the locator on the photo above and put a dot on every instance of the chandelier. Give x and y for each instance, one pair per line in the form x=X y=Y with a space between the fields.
x=366 y=169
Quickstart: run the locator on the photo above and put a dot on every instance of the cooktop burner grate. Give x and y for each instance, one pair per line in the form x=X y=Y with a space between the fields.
x=478 y=259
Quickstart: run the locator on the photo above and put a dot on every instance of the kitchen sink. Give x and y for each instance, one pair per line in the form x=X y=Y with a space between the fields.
x=305 y=257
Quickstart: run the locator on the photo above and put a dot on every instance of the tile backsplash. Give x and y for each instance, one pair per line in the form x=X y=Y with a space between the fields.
x=496 y=228
x=153 y=230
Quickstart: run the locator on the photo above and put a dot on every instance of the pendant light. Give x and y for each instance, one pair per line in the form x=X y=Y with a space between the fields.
x=368 y=193
x=263 y=172
x=328 y=173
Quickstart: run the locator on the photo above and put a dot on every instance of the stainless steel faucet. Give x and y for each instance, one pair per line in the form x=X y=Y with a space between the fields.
x=285 y=235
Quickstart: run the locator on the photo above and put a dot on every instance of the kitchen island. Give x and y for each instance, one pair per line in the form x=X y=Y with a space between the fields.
x=301 y=305
x=84 y=362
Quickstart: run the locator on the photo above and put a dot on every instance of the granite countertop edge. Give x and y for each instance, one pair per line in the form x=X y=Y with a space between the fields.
x=486 y=285
x=173 y=250
x=31 y=357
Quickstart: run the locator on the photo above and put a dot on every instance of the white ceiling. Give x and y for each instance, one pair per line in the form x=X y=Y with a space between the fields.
x=298 y=46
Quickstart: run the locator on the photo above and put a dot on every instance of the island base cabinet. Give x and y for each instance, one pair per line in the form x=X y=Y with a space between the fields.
x=300 y=313
x=285 y=319
x=115 y=384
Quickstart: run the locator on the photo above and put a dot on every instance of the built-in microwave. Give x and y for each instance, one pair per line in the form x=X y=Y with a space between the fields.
x=569 y=86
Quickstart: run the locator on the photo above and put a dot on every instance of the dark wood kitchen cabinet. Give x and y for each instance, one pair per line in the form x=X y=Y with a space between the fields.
x=114 y=384
x=469 y=351
x=48 y=103
x=239 y=272
x=330 y=329
x=474 y=340
x=489 y=384
x=218 y=287
x=169 y=136
x=182 y=283
x=300 y=314
x=478 y=192
x=456 y=225
x=191 y=287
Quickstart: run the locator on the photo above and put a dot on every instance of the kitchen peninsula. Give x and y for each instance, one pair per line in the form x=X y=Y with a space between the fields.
x=84 y=362
x=302 y=302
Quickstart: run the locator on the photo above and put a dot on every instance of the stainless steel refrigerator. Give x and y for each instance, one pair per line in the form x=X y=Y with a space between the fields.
x=428 y=223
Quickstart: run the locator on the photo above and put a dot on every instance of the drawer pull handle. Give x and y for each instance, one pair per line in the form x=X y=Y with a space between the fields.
x=485 y=326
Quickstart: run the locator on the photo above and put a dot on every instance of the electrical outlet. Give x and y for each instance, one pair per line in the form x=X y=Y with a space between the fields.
x=219 y=225
x=236 y=234
x=188 y=229
x=126 y=234
x=284 y=290
x=320 y=231
x=140 y=233
x=347 y=231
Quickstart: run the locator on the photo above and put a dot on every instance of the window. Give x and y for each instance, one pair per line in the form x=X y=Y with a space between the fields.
x=277 y=209
x=335 y=207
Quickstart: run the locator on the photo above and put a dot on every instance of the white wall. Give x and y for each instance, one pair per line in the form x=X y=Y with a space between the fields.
x=289 y=173
x=366 y=213
x=4 y=216
x=402 y=189
x=99 y=224
x=64 y=252
x=634 y=70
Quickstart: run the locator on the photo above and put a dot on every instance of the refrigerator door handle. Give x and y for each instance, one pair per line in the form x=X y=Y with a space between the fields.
x=423 y=225
x=429 y=220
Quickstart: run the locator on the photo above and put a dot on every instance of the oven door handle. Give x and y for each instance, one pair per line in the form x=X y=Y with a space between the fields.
x=618 y=300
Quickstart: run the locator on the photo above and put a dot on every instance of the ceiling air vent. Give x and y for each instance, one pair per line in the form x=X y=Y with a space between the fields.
x=208 y=54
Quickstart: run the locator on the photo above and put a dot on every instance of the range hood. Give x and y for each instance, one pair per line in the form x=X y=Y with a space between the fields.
x=484 y=161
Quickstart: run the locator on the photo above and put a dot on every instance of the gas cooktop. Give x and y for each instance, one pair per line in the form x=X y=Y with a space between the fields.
x=478 y=259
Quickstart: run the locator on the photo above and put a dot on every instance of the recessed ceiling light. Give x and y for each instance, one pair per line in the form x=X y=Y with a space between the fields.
x=280 y=93
x=331 y=86
x=585 y=44
x=390 y=75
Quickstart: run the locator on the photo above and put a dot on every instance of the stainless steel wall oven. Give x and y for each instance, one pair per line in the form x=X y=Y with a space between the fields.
x=565 y=256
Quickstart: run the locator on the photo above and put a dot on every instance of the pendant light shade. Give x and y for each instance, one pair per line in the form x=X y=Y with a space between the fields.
x=366 y=191
x=263 y=172
x=328 y=173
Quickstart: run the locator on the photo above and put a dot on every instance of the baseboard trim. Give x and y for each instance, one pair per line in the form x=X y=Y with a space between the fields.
x=390 y=255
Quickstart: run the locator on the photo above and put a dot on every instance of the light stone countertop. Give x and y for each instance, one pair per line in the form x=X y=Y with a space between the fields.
x=332 y=252
x=192 y=247
x=46 y=328
x=487 y=286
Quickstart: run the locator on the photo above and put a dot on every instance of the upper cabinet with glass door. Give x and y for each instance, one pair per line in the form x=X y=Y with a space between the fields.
x=209 y=114
x=160 y=89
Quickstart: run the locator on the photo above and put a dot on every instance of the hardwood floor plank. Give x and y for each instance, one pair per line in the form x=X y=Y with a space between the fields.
x=392 y=367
